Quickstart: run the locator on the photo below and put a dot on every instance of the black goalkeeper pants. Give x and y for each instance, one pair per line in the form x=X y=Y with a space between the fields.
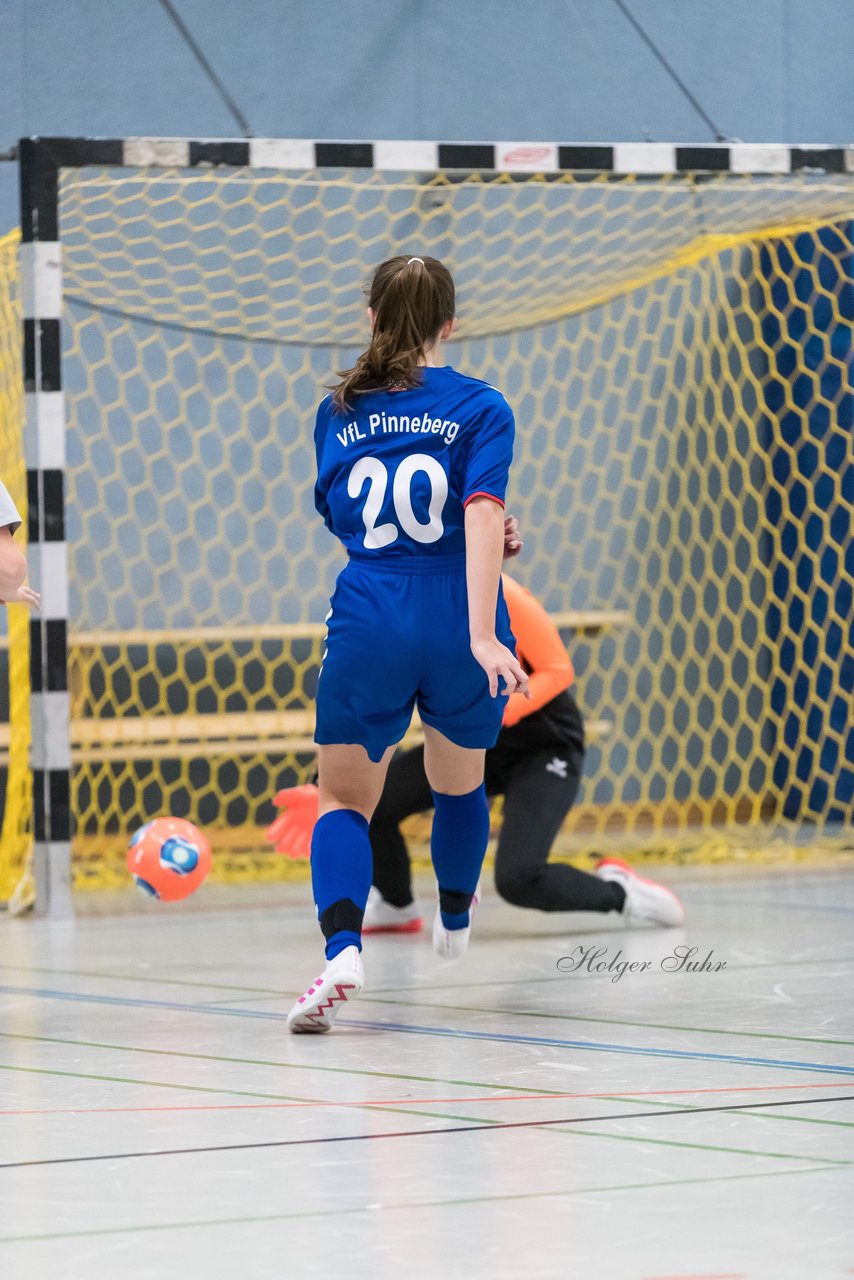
x=539 y=788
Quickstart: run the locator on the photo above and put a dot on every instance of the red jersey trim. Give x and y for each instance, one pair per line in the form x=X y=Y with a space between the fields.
x=483 y=494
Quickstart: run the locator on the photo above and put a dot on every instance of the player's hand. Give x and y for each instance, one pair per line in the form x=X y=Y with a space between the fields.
x=498 y=662
x=290 y=833
x=513 y=544
x=24 y=595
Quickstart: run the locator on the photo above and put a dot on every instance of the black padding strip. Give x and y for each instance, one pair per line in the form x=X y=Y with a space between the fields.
x=571 y=157
x=705 y=159
x=48 y=655
x=344 y=155
x=46 y=505
x=342 y=916
x=454 y=903
x=51 y=820
x=231 y=153
x=466 y=155
x=830 y=159
x=45 y=375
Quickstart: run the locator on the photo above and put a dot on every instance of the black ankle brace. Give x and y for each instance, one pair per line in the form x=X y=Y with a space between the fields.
x=454 y=903
x=342 y=917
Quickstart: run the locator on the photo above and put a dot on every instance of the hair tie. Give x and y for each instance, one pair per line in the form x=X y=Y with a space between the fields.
x=411 y=260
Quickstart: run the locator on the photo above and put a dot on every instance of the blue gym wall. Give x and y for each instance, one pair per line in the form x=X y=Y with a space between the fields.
x=810 y=506
x=570 y=70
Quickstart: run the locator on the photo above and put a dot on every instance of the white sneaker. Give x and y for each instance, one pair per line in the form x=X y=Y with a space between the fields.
x=382 y=917
x=450 y=944
x=647 y=903
x=341 y=980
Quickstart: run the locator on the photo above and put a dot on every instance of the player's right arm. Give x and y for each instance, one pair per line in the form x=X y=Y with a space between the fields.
x=484 y=553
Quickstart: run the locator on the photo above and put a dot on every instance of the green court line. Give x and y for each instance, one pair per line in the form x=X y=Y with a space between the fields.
x=237 y=1093
x=838 y=1124
x=269 y=1062
x=398 y=1109
x=383 y=1075
x=819 y=1167
x=698 y=1146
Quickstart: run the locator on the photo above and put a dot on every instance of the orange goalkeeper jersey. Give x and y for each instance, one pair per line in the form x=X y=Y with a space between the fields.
x=540 y=650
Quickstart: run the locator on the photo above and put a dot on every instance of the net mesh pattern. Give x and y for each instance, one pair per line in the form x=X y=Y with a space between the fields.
x=677 y=353
x=15 y=777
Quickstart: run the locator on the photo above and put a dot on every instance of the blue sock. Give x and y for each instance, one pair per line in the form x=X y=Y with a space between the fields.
x=341 y=868
x=458 y=845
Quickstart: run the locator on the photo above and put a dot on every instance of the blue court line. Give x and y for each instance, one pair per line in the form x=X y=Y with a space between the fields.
x=595 y=1046
x=603 y=1047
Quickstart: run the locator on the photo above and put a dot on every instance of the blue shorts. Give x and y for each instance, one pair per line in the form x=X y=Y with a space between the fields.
x=399 y=636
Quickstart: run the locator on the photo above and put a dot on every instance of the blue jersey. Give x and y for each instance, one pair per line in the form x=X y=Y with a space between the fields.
x=395 y=472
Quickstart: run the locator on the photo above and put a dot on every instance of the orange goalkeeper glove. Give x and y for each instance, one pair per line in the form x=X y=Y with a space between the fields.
x=290 y=833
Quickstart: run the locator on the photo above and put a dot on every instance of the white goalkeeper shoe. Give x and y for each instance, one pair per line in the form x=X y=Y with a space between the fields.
x=647 y=903
x=381 y=917
x=340 y=982
x=450 y=944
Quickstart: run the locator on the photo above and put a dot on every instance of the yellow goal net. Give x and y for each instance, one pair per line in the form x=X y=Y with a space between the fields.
x=15 y=777
x=677 y=350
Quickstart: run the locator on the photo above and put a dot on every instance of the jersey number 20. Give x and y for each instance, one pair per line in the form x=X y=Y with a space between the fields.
x=372 y=470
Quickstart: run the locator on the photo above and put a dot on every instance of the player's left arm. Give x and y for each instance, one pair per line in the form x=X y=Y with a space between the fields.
x=538 y=639
x=321 y=487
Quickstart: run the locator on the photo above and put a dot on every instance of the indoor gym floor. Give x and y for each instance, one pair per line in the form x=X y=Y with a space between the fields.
x=494 y=1118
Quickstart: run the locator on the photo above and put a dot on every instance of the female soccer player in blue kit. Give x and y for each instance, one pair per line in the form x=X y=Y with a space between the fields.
x=412 y=463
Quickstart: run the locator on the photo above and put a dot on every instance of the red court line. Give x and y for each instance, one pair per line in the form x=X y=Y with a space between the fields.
x=408 y=1102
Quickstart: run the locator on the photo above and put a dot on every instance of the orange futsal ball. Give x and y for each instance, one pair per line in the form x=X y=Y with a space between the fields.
x=169 y=858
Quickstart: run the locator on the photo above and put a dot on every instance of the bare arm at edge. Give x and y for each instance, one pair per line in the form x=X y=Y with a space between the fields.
x=13 y=573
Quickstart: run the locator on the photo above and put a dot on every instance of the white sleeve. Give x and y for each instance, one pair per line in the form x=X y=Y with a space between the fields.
x=8 y=512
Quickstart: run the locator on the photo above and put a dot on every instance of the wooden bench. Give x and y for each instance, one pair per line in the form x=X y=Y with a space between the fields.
x=234 y=733
x=239 y=732
x=583 y=620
